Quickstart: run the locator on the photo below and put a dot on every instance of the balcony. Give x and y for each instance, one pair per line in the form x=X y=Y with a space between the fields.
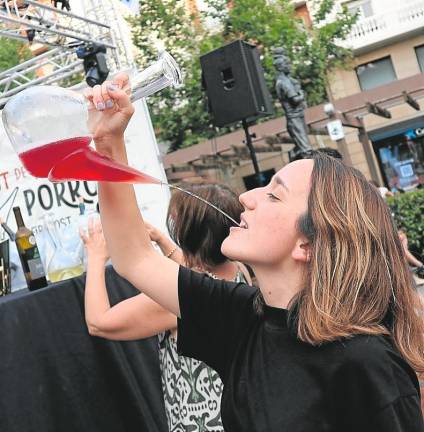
x=385 y=28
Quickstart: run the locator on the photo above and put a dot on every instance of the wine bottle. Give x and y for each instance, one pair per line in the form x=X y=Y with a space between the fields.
x=29 y=254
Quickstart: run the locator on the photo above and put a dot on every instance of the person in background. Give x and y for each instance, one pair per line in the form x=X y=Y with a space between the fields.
x=410 y=258
x=332 y=338
x=417 y=267
x=384 y=192
x=412 y=261
x=192 y=390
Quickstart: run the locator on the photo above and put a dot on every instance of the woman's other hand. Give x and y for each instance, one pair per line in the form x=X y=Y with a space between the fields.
x=166 y=245
x=155 y=234
x=94 y=242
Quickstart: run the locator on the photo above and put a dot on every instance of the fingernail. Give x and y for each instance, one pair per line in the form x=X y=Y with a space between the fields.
x=109 y=103
x=112 y=87
x=100 y=106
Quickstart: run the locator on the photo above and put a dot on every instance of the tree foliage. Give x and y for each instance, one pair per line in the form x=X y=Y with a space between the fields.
x=12 y=52
x=180 y=116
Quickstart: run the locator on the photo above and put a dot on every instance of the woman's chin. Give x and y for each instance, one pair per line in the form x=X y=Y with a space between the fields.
x=230 y=250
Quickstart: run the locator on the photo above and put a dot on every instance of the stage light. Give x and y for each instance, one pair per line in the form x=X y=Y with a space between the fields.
x=95 y=65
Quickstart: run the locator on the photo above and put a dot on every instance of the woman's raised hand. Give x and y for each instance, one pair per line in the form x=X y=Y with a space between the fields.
x=110 y=111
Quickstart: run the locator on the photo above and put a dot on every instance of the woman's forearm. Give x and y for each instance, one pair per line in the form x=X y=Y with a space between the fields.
x=96 y=298
x=137 y=317
x=129 y=244
x=118 y=203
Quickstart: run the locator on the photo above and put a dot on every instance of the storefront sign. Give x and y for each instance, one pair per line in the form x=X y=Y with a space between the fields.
x=415 y=133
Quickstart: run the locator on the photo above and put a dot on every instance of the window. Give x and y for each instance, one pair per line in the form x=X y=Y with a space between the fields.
x=375 y=73
x=401 y=158
x=363 y=7
x=419 y=51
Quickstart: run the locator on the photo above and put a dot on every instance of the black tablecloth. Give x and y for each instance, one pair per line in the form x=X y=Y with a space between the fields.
x=55 y=377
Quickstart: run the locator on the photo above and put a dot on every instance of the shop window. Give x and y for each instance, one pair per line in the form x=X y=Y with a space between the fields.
x=419 y=51
x=362 y=7
x=376 y=73
x=401 y=159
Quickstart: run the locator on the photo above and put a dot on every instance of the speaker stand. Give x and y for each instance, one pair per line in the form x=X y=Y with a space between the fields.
x=252 y=153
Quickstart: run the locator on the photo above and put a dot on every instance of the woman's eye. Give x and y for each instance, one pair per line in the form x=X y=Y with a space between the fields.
x=272 y=196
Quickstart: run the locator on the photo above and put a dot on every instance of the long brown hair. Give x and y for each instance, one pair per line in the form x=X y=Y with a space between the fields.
x=357 y=280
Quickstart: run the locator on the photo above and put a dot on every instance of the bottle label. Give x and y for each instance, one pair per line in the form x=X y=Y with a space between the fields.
x=35 y=266
x=32 y=240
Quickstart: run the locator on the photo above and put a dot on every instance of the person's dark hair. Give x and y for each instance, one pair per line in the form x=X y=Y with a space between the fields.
x=199 y=229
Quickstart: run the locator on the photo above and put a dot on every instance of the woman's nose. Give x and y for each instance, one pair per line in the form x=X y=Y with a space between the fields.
x=247 y=199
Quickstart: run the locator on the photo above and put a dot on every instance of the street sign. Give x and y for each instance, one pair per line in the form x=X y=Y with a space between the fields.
x=335 y=130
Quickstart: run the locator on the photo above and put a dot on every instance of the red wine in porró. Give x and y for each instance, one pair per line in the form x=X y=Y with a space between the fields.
x=87 y=164
x=40 y=160
x=73 y=159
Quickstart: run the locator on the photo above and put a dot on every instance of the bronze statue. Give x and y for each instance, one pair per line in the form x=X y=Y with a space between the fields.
x=292 y=99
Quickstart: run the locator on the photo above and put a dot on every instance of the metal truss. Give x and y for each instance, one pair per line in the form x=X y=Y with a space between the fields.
x=61 y=62
x=106 y=11
x=60 y=32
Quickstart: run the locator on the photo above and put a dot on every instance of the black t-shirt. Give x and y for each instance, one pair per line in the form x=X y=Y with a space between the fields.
x=275 y=382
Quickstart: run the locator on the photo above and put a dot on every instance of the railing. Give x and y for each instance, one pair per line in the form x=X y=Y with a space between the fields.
x=380 y=27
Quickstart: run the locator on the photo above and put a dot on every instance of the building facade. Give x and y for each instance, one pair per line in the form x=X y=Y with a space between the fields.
x=388 y=47
x=378 y=97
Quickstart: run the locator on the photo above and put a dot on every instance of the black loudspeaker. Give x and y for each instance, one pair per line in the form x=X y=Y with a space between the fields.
x=235 y=85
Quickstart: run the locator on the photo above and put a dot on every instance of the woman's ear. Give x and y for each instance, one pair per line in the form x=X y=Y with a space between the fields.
x=302 y=251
